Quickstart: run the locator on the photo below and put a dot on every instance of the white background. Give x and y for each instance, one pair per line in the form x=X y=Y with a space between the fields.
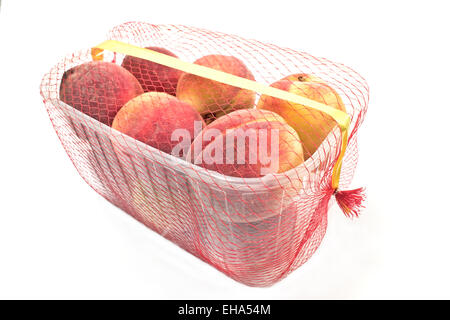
x=59 y=239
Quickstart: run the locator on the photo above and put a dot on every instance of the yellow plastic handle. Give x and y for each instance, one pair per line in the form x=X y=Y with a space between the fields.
x=341 y=118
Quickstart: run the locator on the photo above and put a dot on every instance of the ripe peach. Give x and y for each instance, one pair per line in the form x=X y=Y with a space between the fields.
x=153 y=117
x=151 y=75
x=247 y=143
x=312 y=125
x=211 y=98
x=99 y=89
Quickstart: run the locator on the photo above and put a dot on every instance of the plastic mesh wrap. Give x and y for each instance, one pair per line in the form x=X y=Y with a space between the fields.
x=255 y=228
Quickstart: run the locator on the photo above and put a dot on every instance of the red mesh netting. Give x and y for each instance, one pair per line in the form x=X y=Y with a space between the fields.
x=255 y=227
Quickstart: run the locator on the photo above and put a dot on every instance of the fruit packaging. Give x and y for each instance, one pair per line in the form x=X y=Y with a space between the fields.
x=255 y=229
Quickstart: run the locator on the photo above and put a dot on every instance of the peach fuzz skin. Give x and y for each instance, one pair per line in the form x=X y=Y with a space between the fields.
x=153 y=117
x=99 y=89
x=312 y=125
x=290 y=148
x=153 y=76
x=211 y=98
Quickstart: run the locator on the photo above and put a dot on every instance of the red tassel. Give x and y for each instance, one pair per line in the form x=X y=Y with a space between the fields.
x=351 y=201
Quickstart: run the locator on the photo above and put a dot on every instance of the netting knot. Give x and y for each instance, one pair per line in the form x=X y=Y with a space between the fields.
x=350 y=201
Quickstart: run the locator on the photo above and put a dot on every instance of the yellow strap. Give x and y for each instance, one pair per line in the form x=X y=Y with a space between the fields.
x=342 y=118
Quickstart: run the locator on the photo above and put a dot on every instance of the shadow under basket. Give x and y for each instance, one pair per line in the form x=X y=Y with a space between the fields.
x=255 y=230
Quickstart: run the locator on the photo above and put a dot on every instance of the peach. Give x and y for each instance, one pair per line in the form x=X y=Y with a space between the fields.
x=151 y=75
x=98 y=89
x=247 y=143
x=153 y=117
x=211 y=98
x=312 y=125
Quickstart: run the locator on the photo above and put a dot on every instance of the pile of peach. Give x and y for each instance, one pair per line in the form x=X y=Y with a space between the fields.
x=150 y=102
